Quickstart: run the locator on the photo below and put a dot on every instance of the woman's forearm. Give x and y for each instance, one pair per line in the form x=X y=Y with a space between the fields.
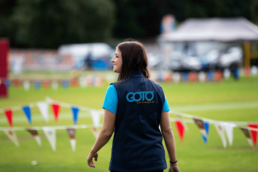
x=170 y=144
x=102 y=139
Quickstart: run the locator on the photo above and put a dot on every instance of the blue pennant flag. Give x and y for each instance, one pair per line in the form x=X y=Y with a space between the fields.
x=36 y=84
x=210 y=76
x=185 y=76
x=75 y=112
x=206 y=127
x=26 y=110
x=65 y=83
x=7 y=83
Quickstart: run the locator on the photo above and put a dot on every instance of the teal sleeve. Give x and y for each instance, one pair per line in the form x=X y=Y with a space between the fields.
x=165 y=106
x=110 y=101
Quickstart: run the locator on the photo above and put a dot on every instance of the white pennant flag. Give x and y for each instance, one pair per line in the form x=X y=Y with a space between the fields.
x=83 y=82
x=176 y=77
x=229 y=131
x=54 y=85
x=95 y=131
x=201 y=77
x=95 y=115
x=51 y=136
x=221 y=133
x=12 y=136
x=43 y=107
x=26 y=85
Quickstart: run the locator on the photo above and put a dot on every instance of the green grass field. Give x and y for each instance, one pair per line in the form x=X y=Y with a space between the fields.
x=228 y=100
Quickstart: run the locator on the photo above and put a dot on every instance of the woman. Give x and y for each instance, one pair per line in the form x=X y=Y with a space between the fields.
x=134 y=107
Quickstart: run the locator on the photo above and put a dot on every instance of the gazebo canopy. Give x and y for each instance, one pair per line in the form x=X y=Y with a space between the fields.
x=215 y=29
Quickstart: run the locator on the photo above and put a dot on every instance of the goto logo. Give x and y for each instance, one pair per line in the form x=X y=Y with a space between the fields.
x=143 y=95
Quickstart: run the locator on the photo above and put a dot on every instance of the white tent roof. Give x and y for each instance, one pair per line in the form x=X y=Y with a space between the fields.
x=215 y=29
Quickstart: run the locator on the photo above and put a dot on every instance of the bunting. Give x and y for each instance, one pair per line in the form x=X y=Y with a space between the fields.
x=43 y=108
x=9 y=116
x=204 y=128
x=201 y=77
x=35 y=135
x=36 y=85
x=26 y=85
x=7 y=83
x=95 y=131
x=56 y=110
x=95 y=115
x=71 y=134
x=247 y=135
x=180 y=129
x=75 y=113
x=54 y=85
x=229 y=131
x=51 y=136
x=254 y=133
x=26 y=110
x=221 y=133
x=12 y=136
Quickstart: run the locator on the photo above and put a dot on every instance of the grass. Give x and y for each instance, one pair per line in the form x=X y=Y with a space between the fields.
x=193 y=155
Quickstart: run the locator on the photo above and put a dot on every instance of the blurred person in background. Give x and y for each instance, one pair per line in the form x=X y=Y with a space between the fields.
x=134 y=108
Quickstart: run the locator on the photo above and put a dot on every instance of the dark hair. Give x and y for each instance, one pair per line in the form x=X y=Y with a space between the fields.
x=134 y=58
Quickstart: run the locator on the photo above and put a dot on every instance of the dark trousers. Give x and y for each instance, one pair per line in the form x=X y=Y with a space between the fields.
x=147 y=171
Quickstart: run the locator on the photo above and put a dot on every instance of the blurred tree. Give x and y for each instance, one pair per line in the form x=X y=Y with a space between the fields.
x=141 y=18
x=6 y=10
x=50 y=23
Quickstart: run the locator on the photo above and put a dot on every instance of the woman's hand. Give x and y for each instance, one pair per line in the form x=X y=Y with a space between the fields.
x=90 y=159
x=173 y=168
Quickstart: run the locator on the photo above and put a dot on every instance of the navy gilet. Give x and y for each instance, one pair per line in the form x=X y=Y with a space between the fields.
x=137 y=143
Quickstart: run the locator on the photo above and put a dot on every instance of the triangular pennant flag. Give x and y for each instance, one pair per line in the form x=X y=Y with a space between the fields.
x=95 y=131
x=201 y=77
x=210 y=75
x=51 y=136
x=35 y=134
x=7 y=83
x=12 y=136
x=71 y=133
x=54 y=85
x=247 y=135
x=221 y=133
x=229 y=131
x=201 y=126
x=83 y=82
x=180 y=129
x=16 y=83
x=207 y=127
x=176 y=77
x=26 y=85
x=65 y=84
x=95 y=115
x=75 y=113
x=43 y=108
x=182 y=121
x=226 y=73
x=36 y=85
x=26 y=110
x=9 y=116
x=253 y=133
x=56 y=110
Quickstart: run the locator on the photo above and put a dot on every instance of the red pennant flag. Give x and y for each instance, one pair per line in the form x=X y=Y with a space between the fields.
x=56 y=110
x=247 y=71
x=192 y=76
x=218 y=76
x=180 y=129
x=9 y=116
x=74 y=83
x=253 y=133
x=16 y=83
x=46 y=84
